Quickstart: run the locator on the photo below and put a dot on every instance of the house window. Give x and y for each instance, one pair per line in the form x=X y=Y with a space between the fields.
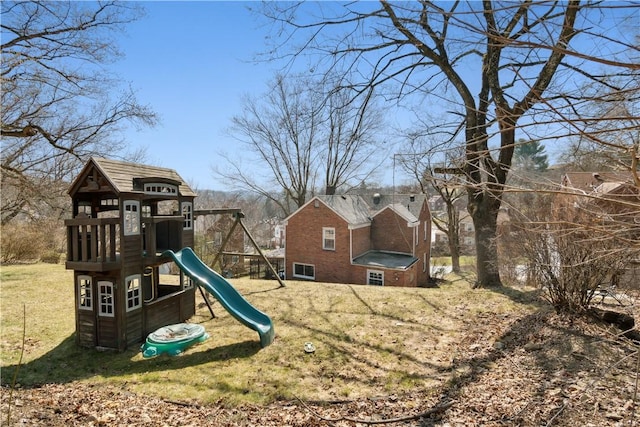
x=85 y=301
x=105 y=298
x=329 y=238
x=375 y=277
x=187 y=213
x=426 y=229
x=131 y=217
x=304 y=271
x=134 y=299
x=424 y=262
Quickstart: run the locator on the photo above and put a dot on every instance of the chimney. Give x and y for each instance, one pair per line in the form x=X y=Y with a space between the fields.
x=376 y=198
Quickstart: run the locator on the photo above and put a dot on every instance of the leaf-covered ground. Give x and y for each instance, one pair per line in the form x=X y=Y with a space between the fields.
x=541 y=370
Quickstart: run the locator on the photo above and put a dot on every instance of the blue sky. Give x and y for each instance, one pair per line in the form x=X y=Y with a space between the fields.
x=191 y=62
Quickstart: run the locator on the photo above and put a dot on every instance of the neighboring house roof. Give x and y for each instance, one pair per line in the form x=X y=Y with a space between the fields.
x=385 y=259
x=121 y=175
x=588 y=181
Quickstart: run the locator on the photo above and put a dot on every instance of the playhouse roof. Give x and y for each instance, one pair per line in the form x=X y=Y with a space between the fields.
x=121 y=175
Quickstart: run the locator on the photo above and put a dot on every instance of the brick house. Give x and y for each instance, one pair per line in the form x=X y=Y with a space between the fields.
x=376 y=240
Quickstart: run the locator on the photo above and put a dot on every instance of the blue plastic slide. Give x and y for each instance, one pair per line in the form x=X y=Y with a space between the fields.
x=224 y=292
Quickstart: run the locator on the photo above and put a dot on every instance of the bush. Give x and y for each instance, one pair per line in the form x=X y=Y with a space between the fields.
x=32 y=241
x=51 y=257
x=572 y=249
x=20 y=243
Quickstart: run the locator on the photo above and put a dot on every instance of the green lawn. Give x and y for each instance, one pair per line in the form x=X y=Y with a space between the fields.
x=369 y=341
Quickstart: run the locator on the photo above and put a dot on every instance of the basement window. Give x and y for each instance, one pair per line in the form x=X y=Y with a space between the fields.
x=304 y=271
x=375 y=277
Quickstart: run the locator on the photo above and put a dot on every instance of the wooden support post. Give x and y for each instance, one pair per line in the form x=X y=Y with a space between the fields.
x=206 y=301
x=223 y=245
x=255 y=245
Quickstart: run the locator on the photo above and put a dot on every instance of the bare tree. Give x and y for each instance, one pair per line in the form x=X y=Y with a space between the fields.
x=515 y=56
x=59 y=102
x=302 y=130
x=431 y=164
x=352 y=144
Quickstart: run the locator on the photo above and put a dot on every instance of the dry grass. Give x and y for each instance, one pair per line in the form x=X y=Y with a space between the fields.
x=370 y=341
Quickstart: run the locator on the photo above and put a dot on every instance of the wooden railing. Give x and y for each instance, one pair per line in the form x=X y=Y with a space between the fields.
x=93 y=240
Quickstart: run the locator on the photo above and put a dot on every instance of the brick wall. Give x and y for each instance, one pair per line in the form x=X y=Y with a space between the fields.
x=389 y=232
x=306 y=247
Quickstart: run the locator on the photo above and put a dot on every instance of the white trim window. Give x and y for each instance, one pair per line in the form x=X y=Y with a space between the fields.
x=85 y=293
x=328 y=238
x=426 y=229
x=304 y=271
x=158 y=188
x=187 y=213
x=375 y=277
x=131 y=209
x=105 y=298
x=134 y=298
x=187 y=283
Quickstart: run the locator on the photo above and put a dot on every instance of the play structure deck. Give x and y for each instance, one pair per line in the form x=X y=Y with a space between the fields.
x=224 y=292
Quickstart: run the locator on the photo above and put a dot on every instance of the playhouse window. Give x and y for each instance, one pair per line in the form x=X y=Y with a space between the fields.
x=160 y=189
x=304 y=271
x=84 y=293
x=134 y=299
x=131 y=217
x=187 y=213
x=375 y=277
x=329 y=238
x=105 y=296
x=187 y=283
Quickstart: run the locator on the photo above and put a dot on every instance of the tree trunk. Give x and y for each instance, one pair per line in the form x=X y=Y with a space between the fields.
x=485 y=219
x=454 y=249
x=453 y=234
x=330 y=190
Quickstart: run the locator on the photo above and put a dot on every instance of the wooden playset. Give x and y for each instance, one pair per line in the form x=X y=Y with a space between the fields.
x=125 y=215
x=129 y=220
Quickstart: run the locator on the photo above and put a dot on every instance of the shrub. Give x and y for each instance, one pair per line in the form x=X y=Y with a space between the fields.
x=24 y=241
x=21 y=242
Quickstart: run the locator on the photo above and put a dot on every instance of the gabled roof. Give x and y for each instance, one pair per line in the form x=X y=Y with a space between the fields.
x=402 y=211
x=412 y=202
x=359 y=210
x=352 y=209
x=120 y=175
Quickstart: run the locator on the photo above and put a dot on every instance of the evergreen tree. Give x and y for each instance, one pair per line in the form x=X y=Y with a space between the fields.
x=530 y=155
